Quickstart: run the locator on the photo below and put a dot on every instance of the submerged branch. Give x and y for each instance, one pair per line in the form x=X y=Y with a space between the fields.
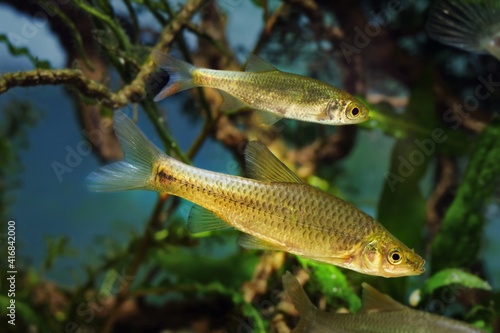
x=74 y=77
x=75 y=34
x=136 y=90
x=133 y=92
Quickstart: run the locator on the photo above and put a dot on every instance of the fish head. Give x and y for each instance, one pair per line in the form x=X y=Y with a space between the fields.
x=346 y=110
x=389 y=257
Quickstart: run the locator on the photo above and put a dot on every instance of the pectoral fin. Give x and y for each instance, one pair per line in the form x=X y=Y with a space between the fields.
x=341 y=261
x=261 y=164
x=201 y=220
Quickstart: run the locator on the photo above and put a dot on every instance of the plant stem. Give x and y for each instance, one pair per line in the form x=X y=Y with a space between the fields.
x=112 y=24
x=153 y=224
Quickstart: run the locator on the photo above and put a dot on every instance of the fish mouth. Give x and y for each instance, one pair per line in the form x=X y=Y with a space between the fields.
x=420 y=267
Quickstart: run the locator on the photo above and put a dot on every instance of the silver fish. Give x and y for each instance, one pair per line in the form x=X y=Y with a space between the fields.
x=277 y=210
x=379 y=314
x=263 y=87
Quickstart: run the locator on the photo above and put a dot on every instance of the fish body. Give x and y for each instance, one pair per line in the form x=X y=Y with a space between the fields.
x=469 y=25
x=276 y=211
x=263 y=87
x=379 y=314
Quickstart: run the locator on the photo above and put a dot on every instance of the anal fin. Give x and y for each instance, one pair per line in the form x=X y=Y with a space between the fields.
x=266 y=117
x=231 y=103
x=253 y=243
x=202 y=220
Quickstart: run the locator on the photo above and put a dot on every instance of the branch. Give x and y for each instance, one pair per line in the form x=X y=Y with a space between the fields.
x=74 y=77
x=133 y=92
x=136 y=90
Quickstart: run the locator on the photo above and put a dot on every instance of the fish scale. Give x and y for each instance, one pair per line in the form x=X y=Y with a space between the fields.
x=252 y=206
x=263 y=87
x=379 y=314
x=277 y=210
x=254 y=89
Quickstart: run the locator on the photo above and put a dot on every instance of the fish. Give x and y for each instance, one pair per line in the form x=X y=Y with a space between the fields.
x=469 y=25
x=379 y=314
x=263 y=87
x=274 y=208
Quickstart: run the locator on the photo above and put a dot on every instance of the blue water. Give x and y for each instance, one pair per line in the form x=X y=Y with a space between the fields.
x=47 y=207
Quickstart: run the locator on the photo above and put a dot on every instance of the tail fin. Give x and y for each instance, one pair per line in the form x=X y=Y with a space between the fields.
x=471 y=26
x=180 y=72
x=299 y=298
x=136 y=168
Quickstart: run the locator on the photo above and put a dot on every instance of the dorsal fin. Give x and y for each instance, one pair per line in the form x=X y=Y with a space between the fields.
x=375 y=301
x=301 y=301
x=258 y=65
x=261 y=164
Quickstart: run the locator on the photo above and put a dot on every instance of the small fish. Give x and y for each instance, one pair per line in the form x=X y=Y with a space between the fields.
x=276 y=209
x=263 y=87
x=379 y=314
x=472 y=25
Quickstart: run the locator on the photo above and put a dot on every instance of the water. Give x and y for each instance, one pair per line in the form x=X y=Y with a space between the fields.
x=47 y=206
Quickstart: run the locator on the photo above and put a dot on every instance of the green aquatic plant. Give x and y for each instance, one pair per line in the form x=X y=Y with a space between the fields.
x=460 y=235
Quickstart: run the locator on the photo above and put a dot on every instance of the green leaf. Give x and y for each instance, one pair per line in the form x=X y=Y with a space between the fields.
x=231 y=271
x=259 y=3
x=481 y=317
x=451 y=276
x=460 y=235
x=257 y=324
x=402 y=126
x=329 y=281
x=385 y=118
x=402 y=206
x=19 y=51
x=56 y=248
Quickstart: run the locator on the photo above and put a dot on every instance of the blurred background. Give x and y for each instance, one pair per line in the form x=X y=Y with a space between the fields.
x=125 y=261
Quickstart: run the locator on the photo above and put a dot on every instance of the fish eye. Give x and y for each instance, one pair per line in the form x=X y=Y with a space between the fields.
x=395 y=257
x=354 y=112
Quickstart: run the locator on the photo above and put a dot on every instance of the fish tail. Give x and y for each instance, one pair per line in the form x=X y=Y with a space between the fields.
x=466 y=25
x=135 y=171
x=180 y=74
x=302 y=303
